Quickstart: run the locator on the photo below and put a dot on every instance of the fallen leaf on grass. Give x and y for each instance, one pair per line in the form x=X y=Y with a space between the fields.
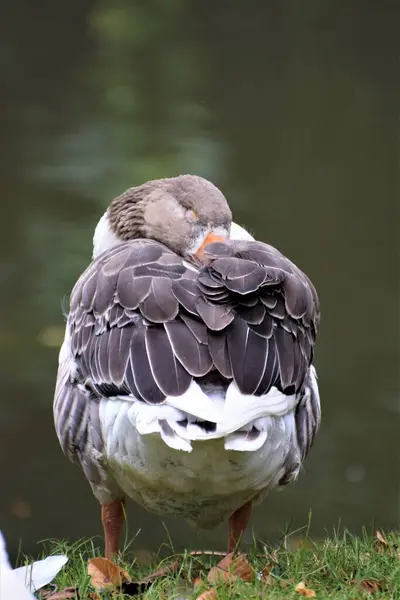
x=231 y=568
x=381 y=540
x=69 y=592
x=266 y=576
x=105 y=574
x=208 y=595
x=47 y=591
x=218 y=576
x=199 y=586
x=371 y=586
x=197 y=583
x=303 y=590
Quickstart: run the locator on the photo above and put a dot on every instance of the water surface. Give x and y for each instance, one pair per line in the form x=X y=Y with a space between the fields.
x=292 y=110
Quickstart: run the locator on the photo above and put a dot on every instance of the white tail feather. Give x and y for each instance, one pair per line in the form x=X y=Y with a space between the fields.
x=196 y=403
x=241 y=442
x=240 y=409
x=243 y=420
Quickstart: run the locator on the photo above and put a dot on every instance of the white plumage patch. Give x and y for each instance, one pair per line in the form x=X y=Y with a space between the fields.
x=104 y=238
x=240 y=233
x=174 y=469
x=241 y=421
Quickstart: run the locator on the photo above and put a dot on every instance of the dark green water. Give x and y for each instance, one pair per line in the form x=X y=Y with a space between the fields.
x=292 y=109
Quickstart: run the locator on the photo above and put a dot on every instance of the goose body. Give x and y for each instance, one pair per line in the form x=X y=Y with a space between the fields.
x=185 y=378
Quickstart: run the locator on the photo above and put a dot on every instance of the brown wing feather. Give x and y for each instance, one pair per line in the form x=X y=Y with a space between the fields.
x=142 y=323
x=271 y=299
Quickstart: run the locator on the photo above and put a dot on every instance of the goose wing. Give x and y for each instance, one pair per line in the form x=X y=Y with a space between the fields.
x=143 y=322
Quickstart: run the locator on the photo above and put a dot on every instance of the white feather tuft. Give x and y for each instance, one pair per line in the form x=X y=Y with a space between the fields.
x=104 y=238
x=22 y=582
x=237 y=414
x=242 y=442
x=41 y=572
x=240 y=233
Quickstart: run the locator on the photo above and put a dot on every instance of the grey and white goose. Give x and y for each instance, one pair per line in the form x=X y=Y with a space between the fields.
x=185 y=378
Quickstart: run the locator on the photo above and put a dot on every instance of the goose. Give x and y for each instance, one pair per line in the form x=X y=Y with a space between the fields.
x=186 y=378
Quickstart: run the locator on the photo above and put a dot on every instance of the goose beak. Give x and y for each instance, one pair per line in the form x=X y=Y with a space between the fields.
x=210 y=239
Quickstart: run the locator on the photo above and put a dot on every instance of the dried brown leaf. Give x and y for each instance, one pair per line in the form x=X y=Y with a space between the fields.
x=208 y=595
x=45 y=592
x=104 y=573
x=266 y=571
x=198 y=582
x=125 y=575
x=226 y=562
x=218 y=576
x=371 y=586
x=68 y=592
x=381 y=538
x=266 y=576
x=230 y=568
x=381 y=541
x=303 y=590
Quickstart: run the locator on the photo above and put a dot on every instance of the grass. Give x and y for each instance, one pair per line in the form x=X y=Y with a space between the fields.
x=341 y=567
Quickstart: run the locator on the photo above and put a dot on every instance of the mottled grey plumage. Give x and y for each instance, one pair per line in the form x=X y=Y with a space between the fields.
x=144 y=323
x=160 y=210
x=133 y=312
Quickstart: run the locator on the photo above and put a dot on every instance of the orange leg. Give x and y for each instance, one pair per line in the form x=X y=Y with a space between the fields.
x=237 y=525
x=112 y=517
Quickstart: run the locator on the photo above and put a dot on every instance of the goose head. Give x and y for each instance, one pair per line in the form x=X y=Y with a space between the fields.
x=185 y=213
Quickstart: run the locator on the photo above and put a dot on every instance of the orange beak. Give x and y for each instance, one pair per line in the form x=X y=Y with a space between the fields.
x=211 y=238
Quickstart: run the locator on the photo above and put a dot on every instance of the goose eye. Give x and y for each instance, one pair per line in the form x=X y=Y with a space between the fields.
x=192 y=215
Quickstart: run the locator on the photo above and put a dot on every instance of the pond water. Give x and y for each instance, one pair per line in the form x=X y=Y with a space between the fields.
x=292 y=110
